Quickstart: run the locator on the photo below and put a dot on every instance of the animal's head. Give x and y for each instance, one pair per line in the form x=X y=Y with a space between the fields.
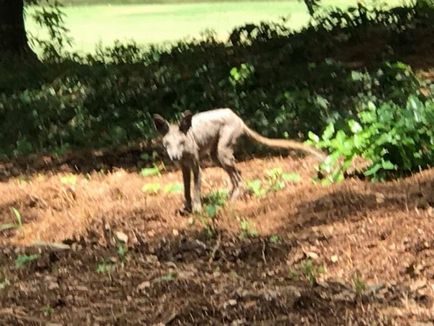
x=174 y=135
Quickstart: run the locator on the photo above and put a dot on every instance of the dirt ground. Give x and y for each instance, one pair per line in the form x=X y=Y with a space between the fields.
x=356 y=253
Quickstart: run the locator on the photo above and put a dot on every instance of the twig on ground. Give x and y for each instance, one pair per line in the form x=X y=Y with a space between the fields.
x=264 y=259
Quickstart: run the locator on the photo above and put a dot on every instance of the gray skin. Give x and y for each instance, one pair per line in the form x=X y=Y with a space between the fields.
x=212 y=132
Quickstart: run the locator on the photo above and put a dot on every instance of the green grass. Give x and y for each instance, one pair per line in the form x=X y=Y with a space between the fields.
x=158 y=23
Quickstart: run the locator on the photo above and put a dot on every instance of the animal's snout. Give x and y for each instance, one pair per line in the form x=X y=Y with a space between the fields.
x=174 y=155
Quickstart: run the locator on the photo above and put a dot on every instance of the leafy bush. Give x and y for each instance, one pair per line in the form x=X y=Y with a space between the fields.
x=276 y=180
x=395 y=19
x=281 y=82
x=394 y=139
x=107 y=105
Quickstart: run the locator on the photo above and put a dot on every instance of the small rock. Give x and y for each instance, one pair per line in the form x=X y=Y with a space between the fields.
x=144 y=285
x=53 y=285
x=121 y=236
x=232 y=302
x=291 y=291
x=239 y=322
x=175 y=232
x=379 y=198
x=249 y=304
x=81 y=288
x=295 y=258
x=151 y=233
x=334 y=258
x=312 y=255
x=186 y=274
x=151 y=259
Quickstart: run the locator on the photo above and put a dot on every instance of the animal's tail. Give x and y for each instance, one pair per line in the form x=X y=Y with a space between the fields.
x=283 y=143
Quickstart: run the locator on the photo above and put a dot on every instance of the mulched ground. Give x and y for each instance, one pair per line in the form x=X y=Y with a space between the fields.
x=356 y=253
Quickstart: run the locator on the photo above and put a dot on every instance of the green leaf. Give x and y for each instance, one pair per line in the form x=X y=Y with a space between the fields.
x=357 y=76
x=17 y=216
x=355 y=127
x=274 y=173
x=387 y=165
x=69 y=179
x=255 y=186
x=8 y=226
x=313 y=137
x=166 y=278
x=292 y=177
x=211 y=210
x=23 y=260
x=337 y=175
x=373 y=170
x=151 y=188
x=174 y=188
x=328 y=132
x=358 y=141
x=367 y=116
x=234 y=73
x=322 y=102
x=149 y=172
x=400 y=65
x=371 y=106
x=4 y=283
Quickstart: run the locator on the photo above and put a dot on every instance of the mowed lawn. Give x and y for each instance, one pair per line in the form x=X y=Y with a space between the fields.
x=158 y=23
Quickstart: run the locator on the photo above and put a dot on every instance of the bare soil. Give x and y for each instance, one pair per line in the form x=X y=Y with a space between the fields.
x=356 y=253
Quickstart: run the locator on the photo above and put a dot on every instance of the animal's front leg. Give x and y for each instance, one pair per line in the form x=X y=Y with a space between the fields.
x=186 y=176
x=197 y=207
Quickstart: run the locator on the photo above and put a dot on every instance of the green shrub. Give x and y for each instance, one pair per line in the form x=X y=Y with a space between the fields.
x=107 y=105
x=277 y=80
x=394 y=139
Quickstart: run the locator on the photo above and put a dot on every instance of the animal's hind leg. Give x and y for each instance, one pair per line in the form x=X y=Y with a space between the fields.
x=225 y=156
x=236 y=181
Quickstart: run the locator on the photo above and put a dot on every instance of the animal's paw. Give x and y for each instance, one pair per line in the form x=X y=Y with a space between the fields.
x=238 y=193
x=197 y=208
x=186 y=210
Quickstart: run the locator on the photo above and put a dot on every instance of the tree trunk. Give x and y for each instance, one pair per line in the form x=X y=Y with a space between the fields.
x=13 y=38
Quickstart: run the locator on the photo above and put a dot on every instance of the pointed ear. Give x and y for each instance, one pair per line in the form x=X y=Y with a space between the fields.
x=185 y=123
x=161 y=124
